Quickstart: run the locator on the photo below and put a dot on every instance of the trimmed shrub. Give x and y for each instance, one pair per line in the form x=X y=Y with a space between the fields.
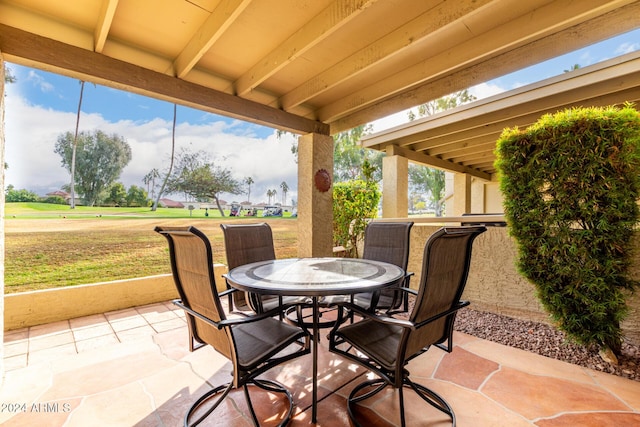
x=354 y=203
x=571 y=184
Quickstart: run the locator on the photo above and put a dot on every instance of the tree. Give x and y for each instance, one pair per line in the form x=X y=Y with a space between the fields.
x=136 y=196
x=165 y=181
x=8 y=76
x=442 y=104
x=270 y=194
x=248 y=181
x=424 y=179
x=116 y=195
x=198 y=177
x=430 y=182
x=150 y=181
x=13 y=195
x=100 y=160
x=349 y=156
x=74 y=149
x=285 y=190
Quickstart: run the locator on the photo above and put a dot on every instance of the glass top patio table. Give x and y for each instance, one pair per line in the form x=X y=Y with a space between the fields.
x=315 y=278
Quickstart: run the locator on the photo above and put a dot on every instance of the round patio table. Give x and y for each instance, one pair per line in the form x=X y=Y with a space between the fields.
x=314 y=278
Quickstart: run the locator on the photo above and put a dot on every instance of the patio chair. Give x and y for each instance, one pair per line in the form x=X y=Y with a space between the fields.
x=387 y=242
x=244 y=244
x=254 y=344
x=385 y=344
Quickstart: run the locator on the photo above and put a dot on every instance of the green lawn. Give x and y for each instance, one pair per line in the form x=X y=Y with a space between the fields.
x=52 y=246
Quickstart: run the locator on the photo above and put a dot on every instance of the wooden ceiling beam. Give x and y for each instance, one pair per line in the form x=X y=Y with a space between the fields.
x=392 y=44
x=103 y=25
x=367 y=105
x=210 y=31
x=393 y=150
x=30 y=49
x=333 y=17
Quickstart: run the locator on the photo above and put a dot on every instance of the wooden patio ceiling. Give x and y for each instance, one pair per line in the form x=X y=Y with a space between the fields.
x=463 y=140
x=301 y=65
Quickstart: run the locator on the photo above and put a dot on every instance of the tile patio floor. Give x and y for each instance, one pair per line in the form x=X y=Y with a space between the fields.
x=132 y=368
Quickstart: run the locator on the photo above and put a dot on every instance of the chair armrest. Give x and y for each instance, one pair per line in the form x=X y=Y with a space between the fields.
x=230 y=322
x=452 y=310
x=376 y=317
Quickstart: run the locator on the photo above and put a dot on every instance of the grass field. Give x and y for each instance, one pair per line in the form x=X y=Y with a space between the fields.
x=50 y=246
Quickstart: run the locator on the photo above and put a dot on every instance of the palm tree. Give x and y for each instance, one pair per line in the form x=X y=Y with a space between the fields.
x=285 y=189
x=72 y=201
x=248 y=180
x=173 y=155
x=270 y=194
x=150 y=181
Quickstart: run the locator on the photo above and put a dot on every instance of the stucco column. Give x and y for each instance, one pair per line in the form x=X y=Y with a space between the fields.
x=395 y=177
x=2 y=185
x=461 y=194
x=315 y=195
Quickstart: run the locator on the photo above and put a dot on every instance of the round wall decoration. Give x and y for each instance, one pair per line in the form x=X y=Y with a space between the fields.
x=323 y=180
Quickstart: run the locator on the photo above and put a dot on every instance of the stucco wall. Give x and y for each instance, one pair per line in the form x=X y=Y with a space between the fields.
x=26 y=309
x=495 y=285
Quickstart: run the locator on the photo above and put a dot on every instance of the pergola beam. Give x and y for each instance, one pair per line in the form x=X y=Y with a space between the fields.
x=215 y=25
x=393 y=150
x=334 y=16
x=28 y=48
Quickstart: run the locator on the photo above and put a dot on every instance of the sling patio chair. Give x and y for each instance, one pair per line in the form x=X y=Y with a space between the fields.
x=253 y=343
x=245 y=244
x=385 y=344
x=387 y=242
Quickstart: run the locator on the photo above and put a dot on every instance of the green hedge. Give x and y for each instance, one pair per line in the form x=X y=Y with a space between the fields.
x=570 y=184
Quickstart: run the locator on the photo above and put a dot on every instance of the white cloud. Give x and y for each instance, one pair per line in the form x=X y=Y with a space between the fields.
x=39 y=81
x=31 y=133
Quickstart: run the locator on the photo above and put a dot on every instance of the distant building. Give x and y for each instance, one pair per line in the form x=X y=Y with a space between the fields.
x=168 y=203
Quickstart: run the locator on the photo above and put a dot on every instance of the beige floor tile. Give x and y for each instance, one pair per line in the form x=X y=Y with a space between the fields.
x=50 y=354
x=157 y=313
x=96 y=342
x=168 y=325
x=528 y=362
x=135 y=333
x=16 y=348
x=134 y=405
x=87 y=332
x=15 y=362
x=16 y=335
x=131 y=322
x=121 y=314
x=49 y=329
x=87 y=321
x=49 y=341
x=625 y=389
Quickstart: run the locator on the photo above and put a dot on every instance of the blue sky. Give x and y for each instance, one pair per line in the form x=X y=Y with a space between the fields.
x=42 y=105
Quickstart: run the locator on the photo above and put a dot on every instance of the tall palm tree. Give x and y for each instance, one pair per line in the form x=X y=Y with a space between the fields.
x=73 y=152
x=150 y=181
x=285 y=190
x=173 y=155
x=248 y=180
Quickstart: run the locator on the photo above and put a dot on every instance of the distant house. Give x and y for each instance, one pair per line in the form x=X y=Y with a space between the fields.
x=168 y=203
x=66 y=196
x=59 y=193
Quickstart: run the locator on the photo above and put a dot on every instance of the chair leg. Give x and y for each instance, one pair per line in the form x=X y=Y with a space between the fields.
x=226 y=388
x=428 y=395
x=267 y=385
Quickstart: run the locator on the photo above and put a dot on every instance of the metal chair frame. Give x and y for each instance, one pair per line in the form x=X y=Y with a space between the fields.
x=385 y=344
x=253 y=343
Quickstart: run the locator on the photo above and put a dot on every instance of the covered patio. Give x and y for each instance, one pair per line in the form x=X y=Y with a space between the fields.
x=313 y=68
x=132 y=368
